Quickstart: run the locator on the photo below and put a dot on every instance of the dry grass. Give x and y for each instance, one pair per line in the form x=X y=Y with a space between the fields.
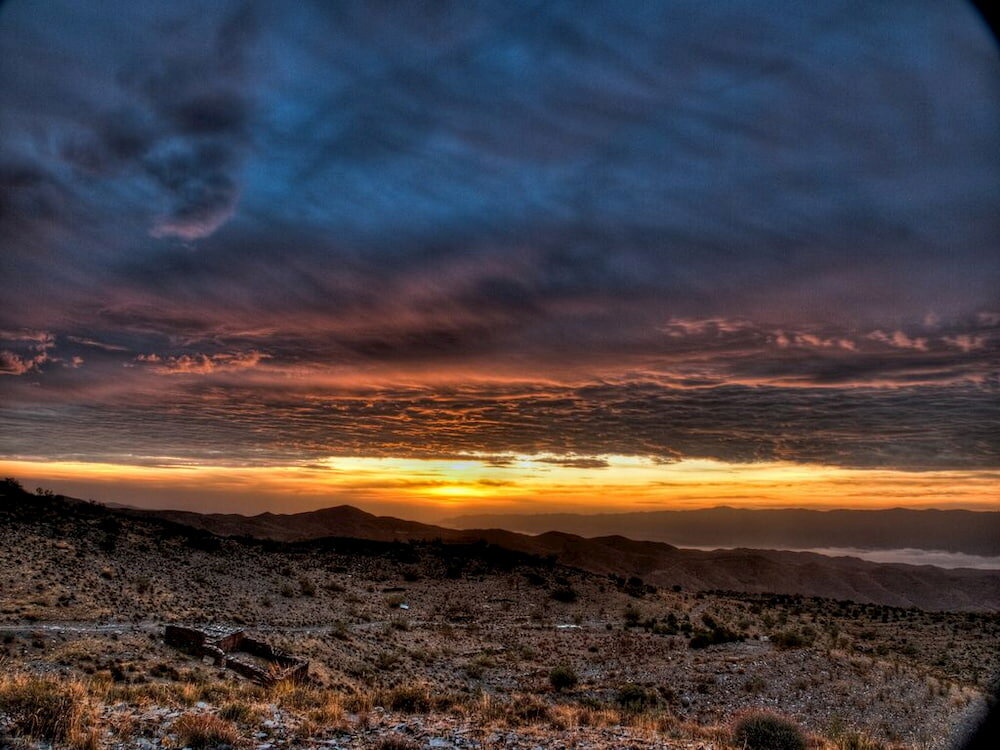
x=65 y=712
x=45 y=708
x=201 y=731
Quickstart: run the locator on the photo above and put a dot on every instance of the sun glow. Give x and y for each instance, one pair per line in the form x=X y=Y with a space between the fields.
x=432 y=488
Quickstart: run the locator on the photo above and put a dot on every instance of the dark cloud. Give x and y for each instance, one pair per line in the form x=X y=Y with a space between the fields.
x=909 y=428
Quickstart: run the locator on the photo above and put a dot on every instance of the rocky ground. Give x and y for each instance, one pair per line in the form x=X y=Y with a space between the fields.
x=430 y=645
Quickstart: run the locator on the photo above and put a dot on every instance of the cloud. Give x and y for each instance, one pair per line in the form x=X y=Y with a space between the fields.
x=912 y=428
x=678 y=229
x=899 y=340
x=88 y=342
x=202 y=364
x=14 y=364
x=33 y=351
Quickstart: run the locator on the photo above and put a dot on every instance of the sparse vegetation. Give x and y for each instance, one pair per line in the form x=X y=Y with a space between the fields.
x=203 y=731
x=791 y=639
x=565 y=594
x=768 y=731
x=45 y=708
x=398 y=742
x=491 y=647
x=563 y=677
x=635 y=698
x=409 y=699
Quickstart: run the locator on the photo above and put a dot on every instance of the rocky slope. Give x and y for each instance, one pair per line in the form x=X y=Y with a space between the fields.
x=743 y=570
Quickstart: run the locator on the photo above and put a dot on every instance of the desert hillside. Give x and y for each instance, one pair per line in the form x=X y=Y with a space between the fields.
x=453 y=645
x=746 y=570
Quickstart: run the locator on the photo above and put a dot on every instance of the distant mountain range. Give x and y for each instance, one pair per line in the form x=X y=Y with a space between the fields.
x=970 y=532
x=749 y=570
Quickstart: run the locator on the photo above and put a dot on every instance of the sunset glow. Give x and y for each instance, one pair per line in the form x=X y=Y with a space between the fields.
x=432 y=489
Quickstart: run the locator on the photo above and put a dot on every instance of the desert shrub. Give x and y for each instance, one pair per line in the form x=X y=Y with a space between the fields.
x=635 y=698
x=236 y=711
x=718 y=634
x=528 y=710
x=202 y=731
x=857 y=741
x=478 y=666
x=790 y=639
x=565 y=594
x=399 y=623
x=44 y=708
x=339 y=630
x=563 y=677
x=410 y=699
x=767 y=731
x=307 y=587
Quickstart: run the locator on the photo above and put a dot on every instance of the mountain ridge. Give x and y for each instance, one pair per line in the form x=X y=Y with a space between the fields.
x=950 y=530
x=742 y=569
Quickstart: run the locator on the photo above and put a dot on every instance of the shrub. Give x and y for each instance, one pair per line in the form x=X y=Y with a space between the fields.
x=565 y=594
x=478 y=666
x=632 y=616
x=635 y=698
x=767 y=731
x=857 y=741
x=307 y=587
x=410 y=699
x=563 y=678
x=790 y=639
x=202 y=731
x=44 y=708
x=718 y=634
x=237 y=711
x=528 y=710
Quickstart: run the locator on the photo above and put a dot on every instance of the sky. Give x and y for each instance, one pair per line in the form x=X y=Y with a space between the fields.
x=434 y=257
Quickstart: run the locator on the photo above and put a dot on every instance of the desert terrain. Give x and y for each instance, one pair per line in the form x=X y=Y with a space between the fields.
x=433 y=644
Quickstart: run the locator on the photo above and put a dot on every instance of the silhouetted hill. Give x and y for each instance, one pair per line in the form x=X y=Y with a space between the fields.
x=749 y=570
x=971 y=532
x=340 y=521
